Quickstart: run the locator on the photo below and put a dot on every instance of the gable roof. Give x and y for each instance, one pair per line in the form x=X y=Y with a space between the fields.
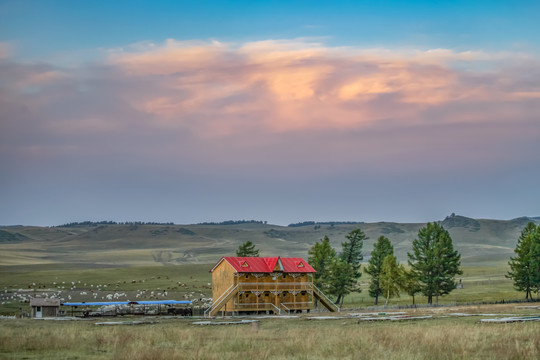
x=266 y=264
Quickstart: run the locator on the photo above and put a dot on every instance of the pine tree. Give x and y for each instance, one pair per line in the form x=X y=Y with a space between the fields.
x=525 y=267
x=410 y=284
x=381 y=249
x=351 y=254
x=247 y=249
x=351 y=250
x=535 y=262
x=321 y=257
x=341 y=280
x=434 y=261
x=390 y=277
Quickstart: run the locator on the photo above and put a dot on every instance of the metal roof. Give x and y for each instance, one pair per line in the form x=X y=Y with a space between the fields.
x=150 y=302
x=266 y=264
x=296 y=265
x=44 y=302
x=162 y=302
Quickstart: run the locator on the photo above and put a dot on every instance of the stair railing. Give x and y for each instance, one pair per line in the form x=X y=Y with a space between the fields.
x=326 y=298
x=219 y=300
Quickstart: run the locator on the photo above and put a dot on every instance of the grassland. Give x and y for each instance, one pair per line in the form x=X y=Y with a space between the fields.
x=180 y=282
x=192 y=281
x=481 y=242
x=135 y=260
x=346 y=338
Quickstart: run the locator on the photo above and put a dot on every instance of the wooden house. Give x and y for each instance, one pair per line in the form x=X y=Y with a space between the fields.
x=263 y=284
x=43 y=307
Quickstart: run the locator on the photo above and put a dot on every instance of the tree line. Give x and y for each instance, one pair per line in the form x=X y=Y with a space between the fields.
x=433 y=264
x=234 y=222
x=108 y=222
x=319 y=223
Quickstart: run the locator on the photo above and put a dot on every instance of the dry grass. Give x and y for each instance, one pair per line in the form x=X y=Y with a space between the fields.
x=442 y=338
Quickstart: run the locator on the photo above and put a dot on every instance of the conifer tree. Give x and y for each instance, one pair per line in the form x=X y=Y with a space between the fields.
x=525 y=266
x=381 y=249
x=321 y=257
x=351 y=254
x=434 y=261
x=410 y=284
x=535 y=262
x=351 y=250
x=341 y=280
x=247 y=249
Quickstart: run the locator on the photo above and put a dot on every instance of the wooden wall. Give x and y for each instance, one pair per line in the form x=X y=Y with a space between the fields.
x=222 y=279
x=46 y=311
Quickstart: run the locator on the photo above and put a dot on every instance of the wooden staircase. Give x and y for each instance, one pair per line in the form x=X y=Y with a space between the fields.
x=319 y=295
x=222 y=300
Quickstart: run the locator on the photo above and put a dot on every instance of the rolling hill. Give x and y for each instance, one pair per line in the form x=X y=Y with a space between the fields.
x=480 y=241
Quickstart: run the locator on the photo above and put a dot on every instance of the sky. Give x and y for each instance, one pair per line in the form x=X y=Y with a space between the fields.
x=280 y=111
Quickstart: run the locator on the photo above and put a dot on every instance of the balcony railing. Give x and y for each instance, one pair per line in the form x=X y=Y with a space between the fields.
x=298 y=305
x=270 y=286
x=258 y=287
x=257 y=307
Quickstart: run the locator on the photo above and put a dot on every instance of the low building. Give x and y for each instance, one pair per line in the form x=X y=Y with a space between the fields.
x=44 y=307
x=263 y=284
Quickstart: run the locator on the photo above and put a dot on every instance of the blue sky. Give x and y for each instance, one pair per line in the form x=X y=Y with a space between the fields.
x=282 y=111
x=44 y=27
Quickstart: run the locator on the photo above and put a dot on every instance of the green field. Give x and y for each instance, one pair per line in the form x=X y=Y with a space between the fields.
x=192 y=282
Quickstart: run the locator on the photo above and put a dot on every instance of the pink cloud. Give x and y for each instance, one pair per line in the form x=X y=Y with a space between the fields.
x=294 y=84
x=172 y=57
x=279 y=103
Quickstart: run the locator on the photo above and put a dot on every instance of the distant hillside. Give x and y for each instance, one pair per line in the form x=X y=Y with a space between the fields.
x=11 y=237
x=105 y=244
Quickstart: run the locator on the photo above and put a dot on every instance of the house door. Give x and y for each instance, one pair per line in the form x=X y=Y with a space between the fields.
x=39 y=312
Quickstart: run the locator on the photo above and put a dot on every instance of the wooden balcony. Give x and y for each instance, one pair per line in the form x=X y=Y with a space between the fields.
x=275 y=286
x=301 y=297
x=281 y=308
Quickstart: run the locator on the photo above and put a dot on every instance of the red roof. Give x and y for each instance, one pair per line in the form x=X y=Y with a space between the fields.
x=267 y=264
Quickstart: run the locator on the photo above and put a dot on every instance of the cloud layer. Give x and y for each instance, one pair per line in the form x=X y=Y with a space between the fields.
x=277 y=112
x=295 y=85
